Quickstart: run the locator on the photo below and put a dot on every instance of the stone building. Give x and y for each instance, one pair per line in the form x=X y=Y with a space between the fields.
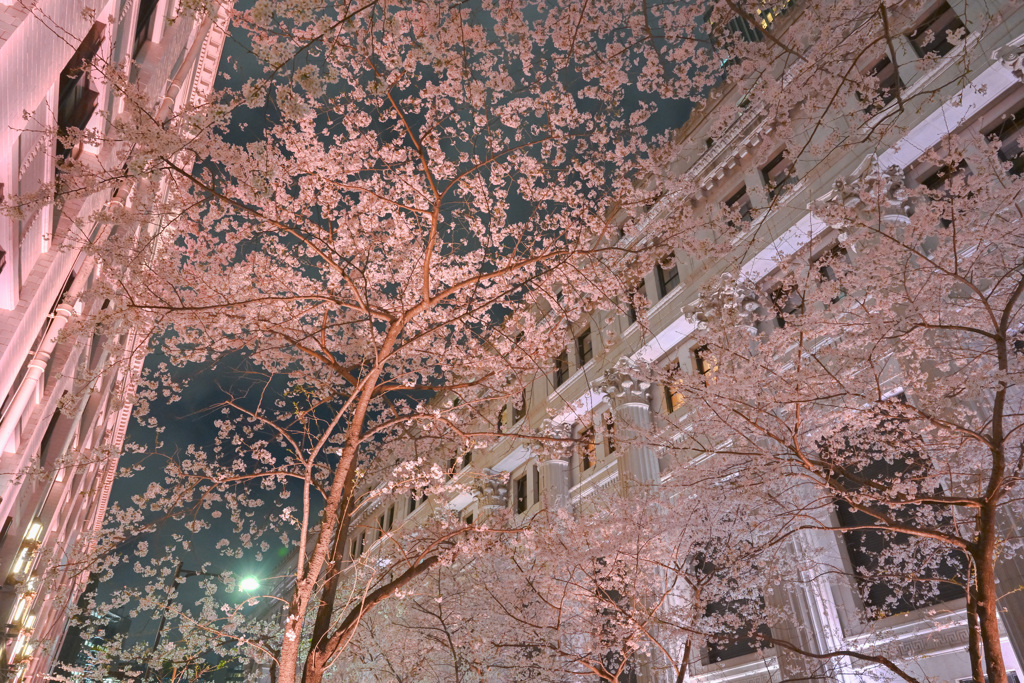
x=594 y=376
x=67 y=401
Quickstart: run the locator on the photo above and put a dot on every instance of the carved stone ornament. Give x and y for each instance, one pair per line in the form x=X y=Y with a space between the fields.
x=731 y=301
x=621 y=385
x=555 y=450
x=888 y=185
x=492 y=489
x=1012 y=57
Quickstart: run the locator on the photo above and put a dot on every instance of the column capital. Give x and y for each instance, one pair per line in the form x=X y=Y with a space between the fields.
x=886 y=187
x=733 y=300
x=492 y=489
x=1012 y=57
x=622 y=385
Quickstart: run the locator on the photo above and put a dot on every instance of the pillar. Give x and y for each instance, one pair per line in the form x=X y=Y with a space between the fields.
x=630 y=400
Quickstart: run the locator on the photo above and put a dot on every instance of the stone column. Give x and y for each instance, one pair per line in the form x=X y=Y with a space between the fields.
x=554 y=484
x=630 y=399
x=554 y=470
x=799 y=625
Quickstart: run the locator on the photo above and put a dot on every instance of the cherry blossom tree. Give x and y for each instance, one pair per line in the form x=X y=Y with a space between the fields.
x=427 y=181
x=625 y=586
x=885 y=375
x=435 y=192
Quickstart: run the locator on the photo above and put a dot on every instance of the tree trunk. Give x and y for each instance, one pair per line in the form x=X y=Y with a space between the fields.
x=987 y=595
x=973 y=632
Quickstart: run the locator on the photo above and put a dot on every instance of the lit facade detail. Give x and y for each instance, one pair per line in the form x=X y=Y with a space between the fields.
x=65 y=402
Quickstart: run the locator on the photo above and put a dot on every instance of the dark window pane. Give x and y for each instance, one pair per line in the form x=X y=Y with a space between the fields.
x=585 y=346
x=779 y=174
x=519 y=408
x=889 y=82
x=887 y=587
x=587 y=450
x=520 y=492
x=931 y=36
x=739 y=203
x=561 y=368
x=1008 y=133
x=787 y=302
x=144 y=25
x=536 y=484
x=668 y=278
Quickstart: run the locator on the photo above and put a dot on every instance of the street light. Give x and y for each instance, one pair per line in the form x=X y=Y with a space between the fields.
x=247 y=584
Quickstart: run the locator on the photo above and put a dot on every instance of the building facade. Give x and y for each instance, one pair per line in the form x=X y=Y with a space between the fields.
x=67 y=400
x=593 y=374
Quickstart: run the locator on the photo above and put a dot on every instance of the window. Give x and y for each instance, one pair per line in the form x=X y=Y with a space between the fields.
x=889 y=83
x=742 y=638
x=536 y=484
x=389 y=519
x=741 y=26
x=938 y=179
x=519 y=407
x=673 y=397
x=520 y=494
x=561 y=368
x=827 y=264
x=787 y=302
x=357 y=545
x=587 y=450
x=739 y=204
x=885 y=589
x=931 y=36
x=469 y=519
x=630 y=313
x=702 y=360
x=640 y=293
x=77 y=99
x=609 y=434
x=457 y=463
x=1011 y=677
x=779 y=174
x=502 y=421
x=585 y=346
x=1008 y=133
x=144 y=24
x=412 y=502
x=768 y=14
x=668 y=277
x=6 y=529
